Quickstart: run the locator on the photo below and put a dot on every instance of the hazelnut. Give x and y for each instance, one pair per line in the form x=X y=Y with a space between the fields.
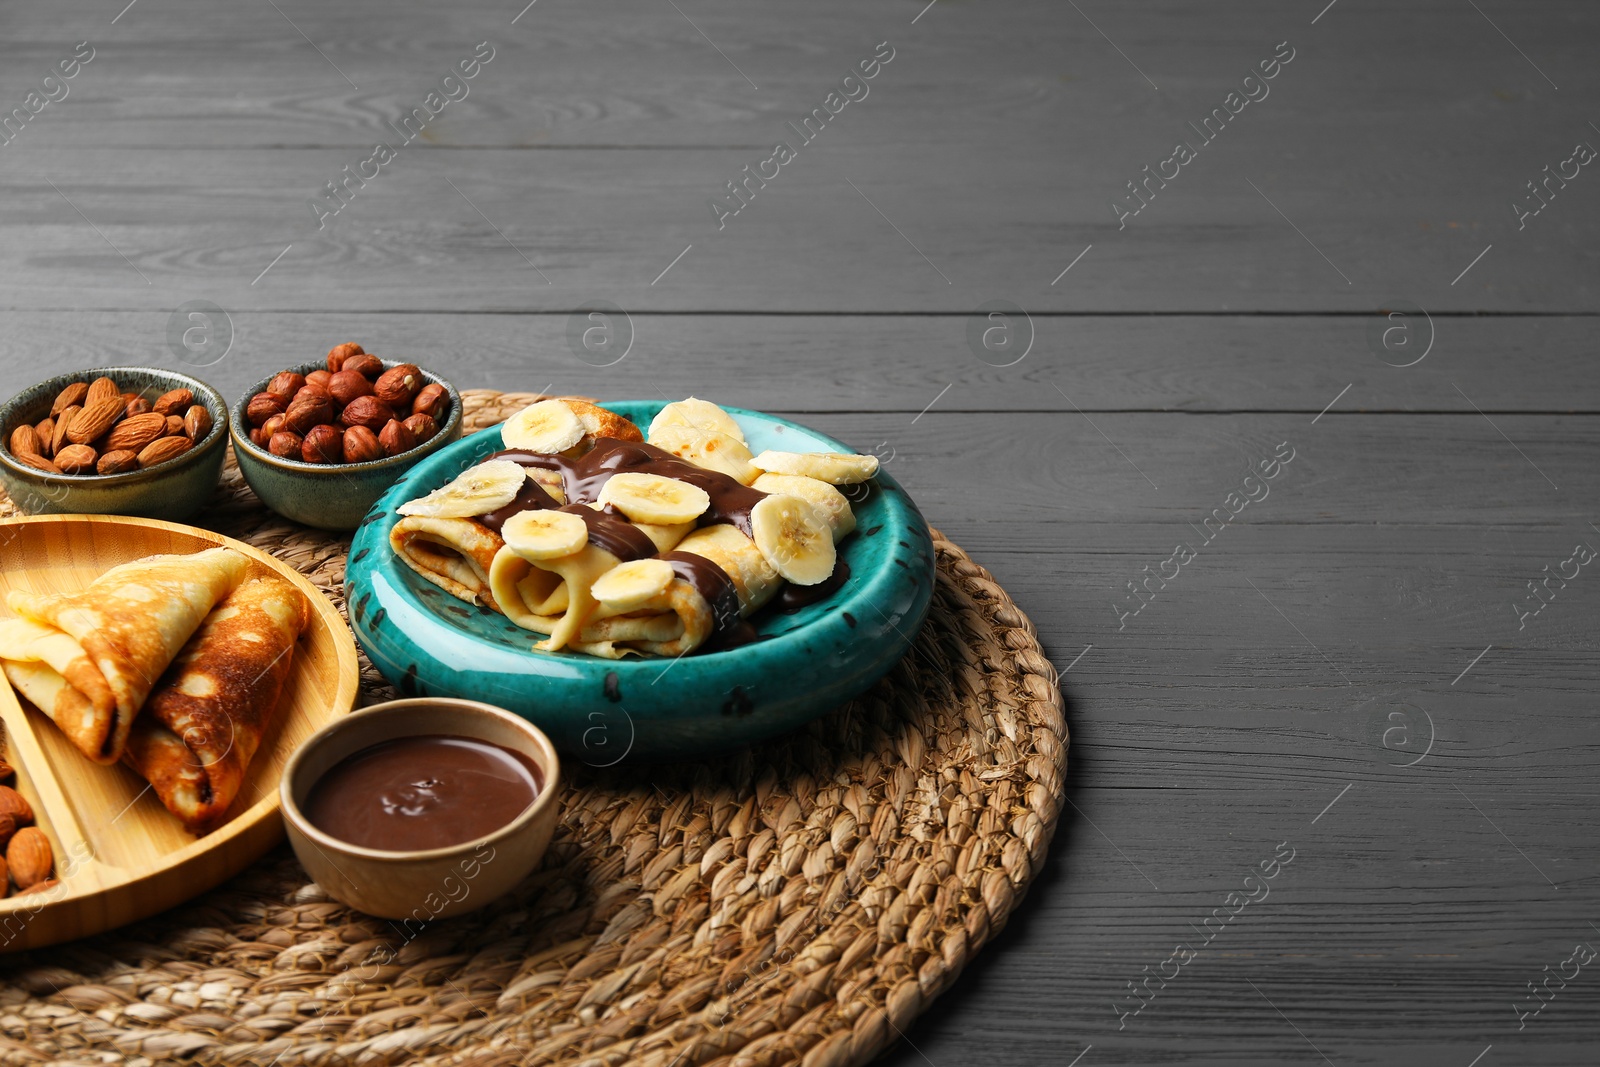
x=346 y=385
x=421 y=425
x=396 y=437
x=263 y=406
x=339 y=353
x=431 y=400
x=118 y=462
x=285 y=444
x=319 y=377
x=366 y=411
x=308 y=411
x=361 y=445
x=323 y=444
x=137 y=406
x=364 y=363
x=398 y=385
x=173 y=402
x=273 y=425
x=175 y=427
x=197 y=422
x=260 y=437
x=286 y=384
x=76 y=459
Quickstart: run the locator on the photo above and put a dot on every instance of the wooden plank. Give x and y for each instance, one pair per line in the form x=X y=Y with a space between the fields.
x=891 y=363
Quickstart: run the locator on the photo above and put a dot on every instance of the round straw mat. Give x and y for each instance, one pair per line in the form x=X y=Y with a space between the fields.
x=797 y=902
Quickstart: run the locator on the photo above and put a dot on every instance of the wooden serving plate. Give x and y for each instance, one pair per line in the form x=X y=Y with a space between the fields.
x=120 y=855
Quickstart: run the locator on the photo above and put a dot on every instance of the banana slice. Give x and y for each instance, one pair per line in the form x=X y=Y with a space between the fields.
x=545 y=534
x=831 y=503
x=630 y=585
x=835 y=468
x=696 y=414
x=794 y=538
x=475 y=491
x=548 y=426
x=707 y=448
x=654 y=499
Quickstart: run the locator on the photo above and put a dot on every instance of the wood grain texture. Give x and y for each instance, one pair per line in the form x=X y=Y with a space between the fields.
x=119 y=854
x=1217 y=723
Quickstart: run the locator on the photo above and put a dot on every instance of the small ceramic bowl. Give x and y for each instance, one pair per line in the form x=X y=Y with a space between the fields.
x=173 y=490
x=330 y=496
x=433 y=883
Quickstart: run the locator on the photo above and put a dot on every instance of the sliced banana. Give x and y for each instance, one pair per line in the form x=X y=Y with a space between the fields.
x=707 y=448
x=654 y=499
x=696 y=414
x=835 y=468
x=819 y=494
x=794 y=538
x=545 y=534
x=475 y=491
x=548 y=426
x=633 y=584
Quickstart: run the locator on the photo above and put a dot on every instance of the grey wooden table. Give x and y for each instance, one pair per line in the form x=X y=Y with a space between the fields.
x=1233 y=339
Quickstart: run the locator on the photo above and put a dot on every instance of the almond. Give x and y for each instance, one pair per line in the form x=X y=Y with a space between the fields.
x=29 y=857
x=70 y=397
x=7 y=772
x=94 y=420
x=47 y=432
x=136 y=431
x=120 y=462
x=58 y=436
x=8 y=827
x=101 y=389
x=197 y=422
x=77 y=459
x=39 y=887
x=173 y=402
x=12 y=803
x=38 y=463
x=162 y=449
x=137 y=406
x=175 y=426
x=25 y=442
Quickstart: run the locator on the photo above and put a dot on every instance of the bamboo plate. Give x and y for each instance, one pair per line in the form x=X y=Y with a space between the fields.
x=120 y=855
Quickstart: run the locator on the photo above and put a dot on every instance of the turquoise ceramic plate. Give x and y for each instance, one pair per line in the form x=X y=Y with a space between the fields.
x=428 y=643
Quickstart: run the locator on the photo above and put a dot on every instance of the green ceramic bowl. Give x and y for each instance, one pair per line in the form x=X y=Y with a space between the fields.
x=330 y=496
x=428 y=643
x=173 y=490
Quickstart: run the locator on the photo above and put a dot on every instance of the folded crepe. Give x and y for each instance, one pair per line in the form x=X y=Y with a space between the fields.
x=453 y=554
x=89 y=659
x=206 y=717
x=551 y=596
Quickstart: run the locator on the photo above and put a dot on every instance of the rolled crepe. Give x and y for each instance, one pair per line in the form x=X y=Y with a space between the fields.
x=722 y=578
x=88 y=659
x=551 y=596
x=453 y=554
x=205 y=719
x=457 y=554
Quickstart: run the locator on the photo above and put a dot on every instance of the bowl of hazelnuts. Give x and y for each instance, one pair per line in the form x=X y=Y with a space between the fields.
x=320 y=442
x=114 y=441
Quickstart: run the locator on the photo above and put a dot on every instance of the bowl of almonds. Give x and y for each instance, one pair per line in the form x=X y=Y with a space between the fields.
x=319 y=443
x=114 y=441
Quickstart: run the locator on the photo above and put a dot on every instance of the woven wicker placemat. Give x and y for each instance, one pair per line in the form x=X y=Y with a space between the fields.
x=797 y=902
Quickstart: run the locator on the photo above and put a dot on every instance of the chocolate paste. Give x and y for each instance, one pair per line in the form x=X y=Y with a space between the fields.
x=430 y=791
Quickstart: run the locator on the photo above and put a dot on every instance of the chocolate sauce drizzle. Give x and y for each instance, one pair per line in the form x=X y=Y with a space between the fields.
x=583 y=478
